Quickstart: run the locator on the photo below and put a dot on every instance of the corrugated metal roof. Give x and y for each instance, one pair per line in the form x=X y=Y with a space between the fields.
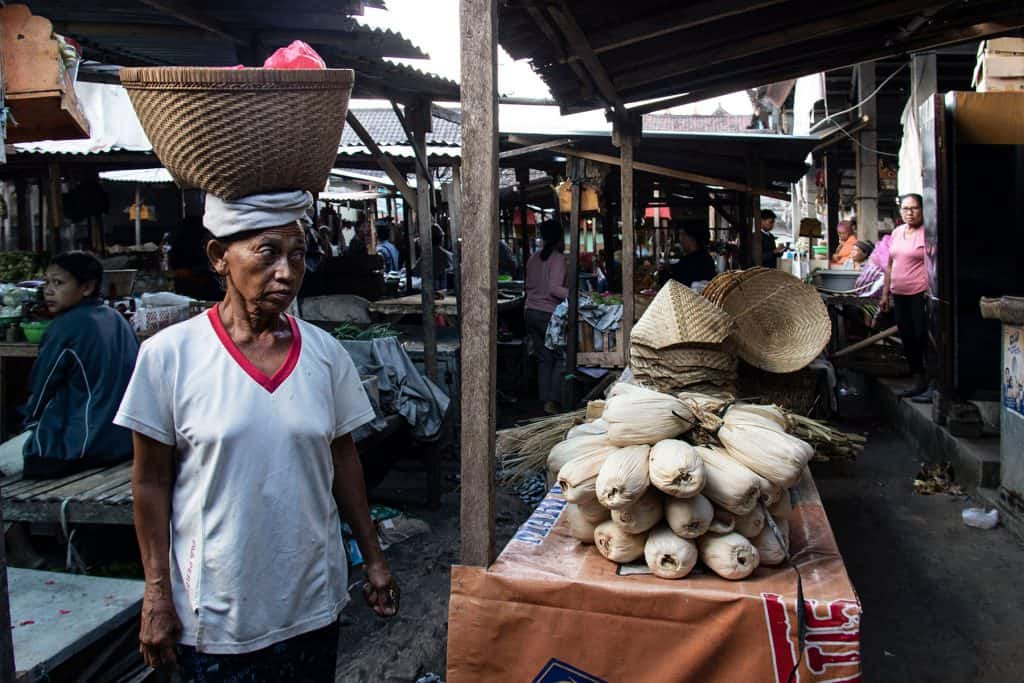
x=140 y=175
x=656 y=48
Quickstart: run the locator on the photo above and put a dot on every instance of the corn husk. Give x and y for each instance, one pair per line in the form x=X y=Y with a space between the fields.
x=769 y=549
x=746 y=412
x=730 y=555
x=592 y=511
x=596 y=428
x=705 y=408
x=617 y=545
x=578 y=477
x=645 y=417
x=570 y=449
x=642 y=515
x=620 y=388
x=668 y=556
x=750 y=524
x=676 y=469
x=782 y=508
x=728 y=483
x=580 y=528
x=689 y=517
x=770 y=493
x=722 y=522
x=773 y=454
x=623 y=477
x=594 y=410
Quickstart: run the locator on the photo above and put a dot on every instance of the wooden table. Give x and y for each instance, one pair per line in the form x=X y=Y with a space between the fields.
x=448 y=306
x=101 y=495
x=19 y=350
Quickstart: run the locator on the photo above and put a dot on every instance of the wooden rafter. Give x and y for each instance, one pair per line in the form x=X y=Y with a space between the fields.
x=697 y=178
x=530 y=149
x=382 y=159
x=562 y=15
x=187 y=13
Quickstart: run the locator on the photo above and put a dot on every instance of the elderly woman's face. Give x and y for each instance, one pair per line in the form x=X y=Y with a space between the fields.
x=266 y=270
x=858 y=255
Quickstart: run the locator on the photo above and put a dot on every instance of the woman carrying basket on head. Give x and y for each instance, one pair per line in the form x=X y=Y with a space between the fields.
x=244 y=459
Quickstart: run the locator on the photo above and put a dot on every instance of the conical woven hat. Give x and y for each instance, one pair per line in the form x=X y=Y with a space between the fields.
x=781 y=323
x=678 y=315
x=238 y=132
x=683 y=357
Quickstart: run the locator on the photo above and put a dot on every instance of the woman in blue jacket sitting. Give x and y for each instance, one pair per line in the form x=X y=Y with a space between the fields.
x=85 y=361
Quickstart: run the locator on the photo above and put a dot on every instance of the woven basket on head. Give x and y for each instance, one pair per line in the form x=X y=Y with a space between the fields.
x=679 y=316
x=237 y=132
x=781 y=323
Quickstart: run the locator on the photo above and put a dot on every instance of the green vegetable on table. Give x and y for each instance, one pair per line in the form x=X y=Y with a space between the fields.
x=351 y=331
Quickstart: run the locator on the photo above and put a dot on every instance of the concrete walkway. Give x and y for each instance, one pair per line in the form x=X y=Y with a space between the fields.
x=942 y=602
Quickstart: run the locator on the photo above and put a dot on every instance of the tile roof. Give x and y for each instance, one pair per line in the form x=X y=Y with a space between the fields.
x=698 y=123
x=383 y=126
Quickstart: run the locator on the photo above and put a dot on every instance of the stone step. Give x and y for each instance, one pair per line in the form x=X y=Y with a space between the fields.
x=975 y=460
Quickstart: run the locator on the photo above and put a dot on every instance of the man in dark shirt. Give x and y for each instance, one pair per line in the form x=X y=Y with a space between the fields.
x=769 y=252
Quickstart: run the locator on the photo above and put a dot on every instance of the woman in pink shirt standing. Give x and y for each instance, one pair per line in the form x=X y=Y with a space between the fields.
x=906 y=291
x=545 y=289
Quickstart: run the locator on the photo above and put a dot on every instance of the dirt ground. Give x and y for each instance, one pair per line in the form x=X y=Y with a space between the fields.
x=402 y=649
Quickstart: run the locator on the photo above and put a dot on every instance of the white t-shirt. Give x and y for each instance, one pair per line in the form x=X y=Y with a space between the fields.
x=256 y=547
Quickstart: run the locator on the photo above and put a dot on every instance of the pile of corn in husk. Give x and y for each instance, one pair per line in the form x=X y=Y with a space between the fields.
x=640 y=491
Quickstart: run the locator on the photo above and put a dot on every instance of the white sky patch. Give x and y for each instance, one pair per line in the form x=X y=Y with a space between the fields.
x=434 y=27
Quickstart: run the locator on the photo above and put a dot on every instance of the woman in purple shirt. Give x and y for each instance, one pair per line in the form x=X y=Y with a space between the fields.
x=545 y=289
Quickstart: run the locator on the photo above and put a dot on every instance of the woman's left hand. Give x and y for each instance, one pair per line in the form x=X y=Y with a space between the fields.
x=380 y=590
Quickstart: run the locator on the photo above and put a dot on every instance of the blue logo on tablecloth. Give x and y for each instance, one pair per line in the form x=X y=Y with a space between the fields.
x=543 y=520
x=560 y=672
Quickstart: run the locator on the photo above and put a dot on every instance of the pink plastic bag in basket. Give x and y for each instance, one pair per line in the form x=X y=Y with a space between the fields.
x=298 y=55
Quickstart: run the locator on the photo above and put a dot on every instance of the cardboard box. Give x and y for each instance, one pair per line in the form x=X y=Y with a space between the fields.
x=551 y=610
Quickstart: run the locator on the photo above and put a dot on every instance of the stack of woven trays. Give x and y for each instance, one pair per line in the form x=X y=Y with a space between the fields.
x=682 y=344
x=781 y=324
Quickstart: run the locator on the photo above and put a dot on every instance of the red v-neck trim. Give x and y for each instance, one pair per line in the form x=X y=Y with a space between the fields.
x=269 y=383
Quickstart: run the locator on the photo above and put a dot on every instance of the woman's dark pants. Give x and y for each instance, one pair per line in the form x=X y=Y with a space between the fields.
x=549 y=362
x=911 y=313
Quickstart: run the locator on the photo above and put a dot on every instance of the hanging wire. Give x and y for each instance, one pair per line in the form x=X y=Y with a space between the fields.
x=829 y=117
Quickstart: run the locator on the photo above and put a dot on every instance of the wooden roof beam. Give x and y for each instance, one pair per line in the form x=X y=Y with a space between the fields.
x=185 y=12
x=726 y=79
x=696 y=178
x=737 y=47
x=677 y=19
x=382 y=159
x=562 y=15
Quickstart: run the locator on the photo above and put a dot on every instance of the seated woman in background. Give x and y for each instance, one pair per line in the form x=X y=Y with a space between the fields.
x=696 y=263
x=85 y=361
x=872 y=277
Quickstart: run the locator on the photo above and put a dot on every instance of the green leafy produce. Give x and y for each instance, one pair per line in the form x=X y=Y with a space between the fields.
x=351 y=331
x=16 y=266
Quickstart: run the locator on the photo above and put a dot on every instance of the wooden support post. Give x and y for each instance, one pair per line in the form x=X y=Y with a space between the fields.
x=523 y=180
x=455 y=221
x=24 y=227
x=478 y=28
x=7 y=671
x=56 y=208
x=138 y=214
x=832 y=179
x=411 y=242
x=576 y=170
x=628 y=202
x=420 y=125
x=866 y=156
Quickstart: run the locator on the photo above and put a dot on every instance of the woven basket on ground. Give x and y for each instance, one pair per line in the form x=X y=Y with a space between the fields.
x=723 y=283
x=781 y=323
x=237 y=132
x=679 y=316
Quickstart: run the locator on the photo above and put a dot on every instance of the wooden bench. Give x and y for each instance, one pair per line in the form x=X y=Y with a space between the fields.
x=103 y=495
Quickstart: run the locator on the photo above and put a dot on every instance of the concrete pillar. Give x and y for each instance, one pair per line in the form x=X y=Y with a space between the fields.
x=867 y=159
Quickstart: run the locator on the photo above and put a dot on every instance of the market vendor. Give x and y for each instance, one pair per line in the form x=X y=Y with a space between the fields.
x=770 y=253
x=872 y=277
x=85 y=361
x=242 y=422
x=847 y=232
x=695 y=264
